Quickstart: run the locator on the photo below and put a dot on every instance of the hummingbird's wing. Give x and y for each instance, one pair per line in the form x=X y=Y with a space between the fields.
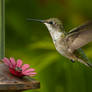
x=79 y=37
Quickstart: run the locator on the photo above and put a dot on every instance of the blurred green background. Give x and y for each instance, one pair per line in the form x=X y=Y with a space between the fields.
x=31 y=42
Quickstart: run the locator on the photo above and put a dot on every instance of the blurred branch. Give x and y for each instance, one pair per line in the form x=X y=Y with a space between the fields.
x=2 y=29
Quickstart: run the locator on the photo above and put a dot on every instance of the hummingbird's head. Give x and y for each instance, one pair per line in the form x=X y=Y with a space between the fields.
x=53 y=24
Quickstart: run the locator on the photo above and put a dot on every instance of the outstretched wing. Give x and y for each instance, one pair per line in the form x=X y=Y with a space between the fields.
x=79 y=37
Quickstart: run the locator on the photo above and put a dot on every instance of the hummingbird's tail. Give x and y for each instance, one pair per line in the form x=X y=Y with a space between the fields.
x=87 y=63
x=82 y=58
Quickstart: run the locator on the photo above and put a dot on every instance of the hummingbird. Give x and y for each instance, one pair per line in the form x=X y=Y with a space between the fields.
x=69 y=43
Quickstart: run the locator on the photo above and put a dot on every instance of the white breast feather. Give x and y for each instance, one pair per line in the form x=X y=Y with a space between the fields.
x=54 y=33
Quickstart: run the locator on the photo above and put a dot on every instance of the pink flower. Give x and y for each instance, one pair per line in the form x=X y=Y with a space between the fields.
x=18 y=69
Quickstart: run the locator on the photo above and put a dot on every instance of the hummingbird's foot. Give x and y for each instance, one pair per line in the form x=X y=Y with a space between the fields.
x=72 y=61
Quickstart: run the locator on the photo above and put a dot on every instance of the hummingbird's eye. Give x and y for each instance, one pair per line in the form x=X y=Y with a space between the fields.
x=51 y=22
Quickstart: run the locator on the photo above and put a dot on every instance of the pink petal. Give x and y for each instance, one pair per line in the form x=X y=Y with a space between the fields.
x=27 y=71
x=19 y=63
x=32 y=69
x=13 y=61
x=33 y=73
x=25 y=66
x=7 y=62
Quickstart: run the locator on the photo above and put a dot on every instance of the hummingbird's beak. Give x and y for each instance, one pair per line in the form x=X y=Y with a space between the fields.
x=42 y=21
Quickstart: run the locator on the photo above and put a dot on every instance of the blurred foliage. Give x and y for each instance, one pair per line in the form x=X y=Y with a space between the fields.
x=31 y=42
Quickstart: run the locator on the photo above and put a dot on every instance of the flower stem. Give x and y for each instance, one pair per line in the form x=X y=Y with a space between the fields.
x=2 y=29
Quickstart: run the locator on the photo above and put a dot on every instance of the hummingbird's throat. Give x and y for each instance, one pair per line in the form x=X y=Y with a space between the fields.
x=54 y=32
x=56 y=35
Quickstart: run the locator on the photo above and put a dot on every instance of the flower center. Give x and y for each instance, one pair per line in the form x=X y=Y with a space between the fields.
x=18 y=69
